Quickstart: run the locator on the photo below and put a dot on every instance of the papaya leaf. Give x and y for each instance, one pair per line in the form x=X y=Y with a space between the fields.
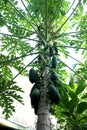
x=81 y=87
x=71 y=82
x=73 y=103
x=84 y=96
x=66 y=113
x=81 y=107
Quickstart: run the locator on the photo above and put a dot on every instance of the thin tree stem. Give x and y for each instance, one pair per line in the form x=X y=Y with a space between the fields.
x=16 y=58
x=67 y=18
x=29 y=13
x=72 y=47
x=28 y=22
x=24 y=68
x=19 y=26
x=21 y=37
x=46 y=14
x=72 y=58
x=70 y=6
x=65 y=21
x=75 y=59
x=22 y=16
x=72 y=70
x=56 y=12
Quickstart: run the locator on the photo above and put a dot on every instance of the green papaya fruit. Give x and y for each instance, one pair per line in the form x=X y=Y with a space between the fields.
x=35 y=96
x=54 y=62
x=54 y=94
x=46 y=47
x=39 y=59
x=58 y=83
x=51 y=51
x=33 y=76
x=35 y=93
x=56 y=50
x=54 y=77
x=36 y=85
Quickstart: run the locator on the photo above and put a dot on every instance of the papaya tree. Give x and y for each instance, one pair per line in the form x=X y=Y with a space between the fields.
x=46 y=31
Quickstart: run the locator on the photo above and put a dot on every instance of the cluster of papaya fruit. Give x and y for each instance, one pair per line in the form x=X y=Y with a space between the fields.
x=53 y=88
x=53 y=82
x=35 y=91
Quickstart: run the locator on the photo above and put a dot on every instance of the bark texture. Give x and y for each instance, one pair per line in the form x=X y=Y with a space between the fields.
x=43 y=122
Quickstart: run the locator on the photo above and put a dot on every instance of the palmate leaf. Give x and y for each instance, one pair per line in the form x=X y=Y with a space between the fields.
x=8 y=93
x=4 y=58
x=16 y=96
x=6 y=104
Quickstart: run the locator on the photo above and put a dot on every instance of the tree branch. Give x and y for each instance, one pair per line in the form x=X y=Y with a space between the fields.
x=68 y=17
x=73 y=58
x=21 y=37
x=72 y=70
x=29 y=13
x=22 y=15
x=71 y=33
x=28 y=22
x=66 y=12
x=70 y=6
x=16 y=58
x=56 y=12
x=46 y=14
x=5 y=21
x=64 y=22
x=24 y=68
x=72 y=47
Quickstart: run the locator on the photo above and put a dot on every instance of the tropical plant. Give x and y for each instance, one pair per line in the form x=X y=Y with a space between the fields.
x=41 y=28
x=73 y=107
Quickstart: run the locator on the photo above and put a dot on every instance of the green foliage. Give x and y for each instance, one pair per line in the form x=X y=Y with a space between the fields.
x=73 y=105
x=42 y=28
x=8 y=93
x=81 y=87
x=82 y=106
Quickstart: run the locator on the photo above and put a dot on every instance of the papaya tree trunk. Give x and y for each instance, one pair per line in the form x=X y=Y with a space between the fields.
x=43 y=122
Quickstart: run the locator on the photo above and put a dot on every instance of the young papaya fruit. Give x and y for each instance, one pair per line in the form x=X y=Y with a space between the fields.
x=33 y=76
x=51 y=51
x=58 y=83
x=46 y=47
x=36 y=85
x=54 y=62
x=54 y=77
x=35 y=96
x=39 y=59
x=56 y=50
x=54 y=94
